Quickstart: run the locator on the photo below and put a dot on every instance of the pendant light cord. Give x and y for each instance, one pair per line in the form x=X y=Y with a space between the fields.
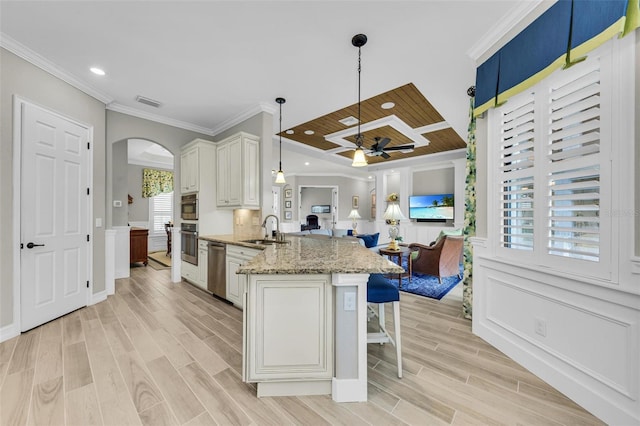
x=280 y=163
x=359 y=136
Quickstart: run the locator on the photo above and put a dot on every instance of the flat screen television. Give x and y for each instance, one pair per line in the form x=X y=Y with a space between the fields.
x=431 y=208
x=321 y=209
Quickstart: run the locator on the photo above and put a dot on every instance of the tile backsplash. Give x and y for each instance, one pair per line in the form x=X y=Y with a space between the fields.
x=246 y=223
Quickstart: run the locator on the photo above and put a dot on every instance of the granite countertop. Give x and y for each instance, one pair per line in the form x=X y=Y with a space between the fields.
x=308 y=255
x=232 y=239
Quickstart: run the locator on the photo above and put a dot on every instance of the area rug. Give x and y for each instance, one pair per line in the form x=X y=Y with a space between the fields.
x=157 y=265
x=426 y=285
x=161 y=257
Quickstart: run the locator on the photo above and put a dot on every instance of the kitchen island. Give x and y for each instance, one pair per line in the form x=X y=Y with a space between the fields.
x=305 y=317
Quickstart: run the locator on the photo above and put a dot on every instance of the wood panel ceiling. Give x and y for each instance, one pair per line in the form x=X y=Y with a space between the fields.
x=411 y=121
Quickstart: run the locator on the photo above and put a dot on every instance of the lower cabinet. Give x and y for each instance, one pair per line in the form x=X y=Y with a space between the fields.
x=288 y=329
x=236 y=284
x=197 y=274
x=189 y=272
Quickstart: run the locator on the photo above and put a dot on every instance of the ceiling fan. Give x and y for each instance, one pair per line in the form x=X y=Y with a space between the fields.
x=378 y=149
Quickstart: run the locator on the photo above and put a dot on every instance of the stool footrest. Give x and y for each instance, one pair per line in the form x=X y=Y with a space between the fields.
x=379 y=338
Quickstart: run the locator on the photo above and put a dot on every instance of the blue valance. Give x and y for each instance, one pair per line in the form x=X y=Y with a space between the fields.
x=561 y=36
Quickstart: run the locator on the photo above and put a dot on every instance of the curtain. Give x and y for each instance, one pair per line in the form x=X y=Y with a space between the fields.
x=560 y=37
x=155 y=182
x=469 y=212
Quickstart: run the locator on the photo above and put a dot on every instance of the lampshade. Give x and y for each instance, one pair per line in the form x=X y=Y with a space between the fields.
x=354 y=214
x=280 y=177
x=359 y=160
x=393 y=212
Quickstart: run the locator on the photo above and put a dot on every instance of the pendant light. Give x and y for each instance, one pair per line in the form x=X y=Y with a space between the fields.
x=359 y=160
x=280 y=175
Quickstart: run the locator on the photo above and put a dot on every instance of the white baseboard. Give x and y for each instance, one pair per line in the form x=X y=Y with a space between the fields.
x=98 y=297
x=9 y=331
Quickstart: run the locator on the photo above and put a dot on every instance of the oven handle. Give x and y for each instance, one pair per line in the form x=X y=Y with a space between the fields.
x=189 y=232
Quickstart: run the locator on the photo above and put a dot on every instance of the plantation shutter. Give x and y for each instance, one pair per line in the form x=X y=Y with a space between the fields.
x=516 y=173
x=162 y=211
x=574 y=166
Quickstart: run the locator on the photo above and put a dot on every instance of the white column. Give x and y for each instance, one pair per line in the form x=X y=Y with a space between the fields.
x=176 y=249
x=350 y=379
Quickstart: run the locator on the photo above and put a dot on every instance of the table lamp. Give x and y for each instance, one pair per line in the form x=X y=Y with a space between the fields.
x=393 y=215
x=354 y=215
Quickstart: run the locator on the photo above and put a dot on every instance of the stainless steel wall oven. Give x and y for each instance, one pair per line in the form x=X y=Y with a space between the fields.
x=189 y=207
x=189 y=242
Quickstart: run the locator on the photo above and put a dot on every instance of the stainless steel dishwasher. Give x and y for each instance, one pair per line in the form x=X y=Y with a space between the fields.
x=216 y=269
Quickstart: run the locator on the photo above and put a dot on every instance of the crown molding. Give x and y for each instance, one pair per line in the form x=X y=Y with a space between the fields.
x=114 y=106
x=248 y=113
x=511 y=20
x=41 y=62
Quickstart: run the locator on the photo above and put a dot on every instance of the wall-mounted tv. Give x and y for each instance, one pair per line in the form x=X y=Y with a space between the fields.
x=321 y=209
x=431 y=208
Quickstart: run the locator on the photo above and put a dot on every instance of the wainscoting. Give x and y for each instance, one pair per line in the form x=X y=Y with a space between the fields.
x=581 y=338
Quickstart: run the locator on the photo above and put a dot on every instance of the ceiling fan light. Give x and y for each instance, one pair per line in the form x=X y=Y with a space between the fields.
x=280 y=177
x=359 y=160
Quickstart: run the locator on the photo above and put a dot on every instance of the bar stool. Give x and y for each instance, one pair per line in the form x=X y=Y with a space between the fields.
x=381 y=291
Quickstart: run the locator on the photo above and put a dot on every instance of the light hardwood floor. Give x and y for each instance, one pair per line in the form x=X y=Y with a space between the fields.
x=160 y=353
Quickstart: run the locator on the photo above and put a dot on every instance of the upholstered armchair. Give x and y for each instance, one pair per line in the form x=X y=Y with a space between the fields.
x=441 y=259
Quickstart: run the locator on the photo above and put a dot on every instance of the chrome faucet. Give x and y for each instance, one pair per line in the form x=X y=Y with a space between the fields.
x=279 y=235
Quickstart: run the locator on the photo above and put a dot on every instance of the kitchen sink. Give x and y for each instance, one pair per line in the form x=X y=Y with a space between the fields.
x=264 y=242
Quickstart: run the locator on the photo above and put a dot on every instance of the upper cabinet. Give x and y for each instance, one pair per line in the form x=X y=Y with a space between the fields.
x=238 y=171
x=196 y=159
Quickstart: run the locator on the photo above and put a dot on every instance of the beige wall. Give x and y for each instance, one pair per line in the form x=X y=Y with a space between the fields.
x=18 y=77
x=120 y=128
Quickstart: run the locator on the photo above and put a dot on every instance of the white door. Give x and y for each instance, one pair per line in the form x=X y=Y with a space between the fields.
x=54 y=261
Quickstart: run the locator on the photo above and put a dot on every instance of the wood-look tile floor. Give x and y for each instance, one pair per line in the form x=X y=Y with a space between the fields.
x=160 y=353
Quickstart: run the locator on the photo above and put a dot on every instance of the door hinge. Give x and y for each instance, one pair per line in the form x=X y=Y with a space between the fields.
x=87 y=284
x=87 y=237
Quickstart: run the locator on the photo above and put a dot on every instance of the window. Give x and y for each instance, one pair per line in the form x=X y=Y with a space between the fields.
x=552 y=149
x=160 y=212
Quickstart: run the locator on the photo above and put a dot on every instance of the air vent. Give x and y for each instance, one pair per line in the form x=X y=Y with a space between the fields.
x=349 y=121
x=148 y=101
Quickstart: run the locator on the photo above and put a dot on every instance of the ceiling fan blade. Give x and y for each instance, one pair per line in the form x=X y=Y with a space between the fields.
x=381 y=143
x=400 y=148
x=384 y=155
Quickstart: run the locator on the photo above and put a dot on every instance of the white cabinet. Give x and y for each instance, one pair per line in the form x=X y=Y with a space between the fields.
x=197 y=274
x=189 y=272
x=189 y=170
x=196 y=166
x=236 y=256
x=238 y=171
x=203 y=257
x=289 y=329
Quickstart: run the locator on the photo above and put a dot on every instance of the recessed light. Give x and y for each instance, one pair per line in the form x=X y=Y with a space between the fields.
x=97 y=71
x=309 y=132
x=289 y=132
x=370 y=177
x=306 y=163
x=387 y=105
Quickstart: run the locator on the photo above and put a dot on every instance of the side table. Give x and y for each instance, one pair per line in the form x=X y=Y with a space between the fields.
x=398 y=255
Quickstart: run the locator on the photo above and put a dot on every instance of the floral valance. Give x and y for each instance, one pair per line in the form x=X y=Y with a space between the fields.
x=560 y=37
x=156 y=182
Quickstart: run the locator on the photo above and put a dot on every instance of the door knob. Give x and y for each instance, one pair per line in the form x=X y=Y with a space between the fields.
x=31 y=245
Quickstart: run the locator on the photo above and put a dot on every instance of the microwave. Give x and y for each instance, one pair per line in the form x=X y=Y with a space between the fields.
x=189 y=207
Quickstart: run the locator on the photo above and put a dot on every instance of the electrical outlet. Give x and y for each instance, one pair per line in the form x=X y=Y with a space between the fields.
x=540 y=327
x=350 y=301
